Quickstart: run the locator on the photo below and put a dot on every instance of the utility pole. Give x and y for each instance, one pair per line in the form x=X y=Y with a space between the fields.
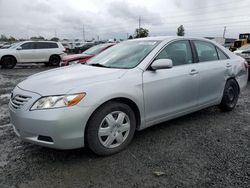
x=127 y=35
x=83 y=33
x=55 y=33
x=139 y=26
x=224 y=32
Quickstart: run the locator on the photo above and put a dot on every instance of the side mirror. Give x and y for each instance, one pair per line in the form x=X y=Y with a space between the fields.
x=162 y=64
x=19 y=48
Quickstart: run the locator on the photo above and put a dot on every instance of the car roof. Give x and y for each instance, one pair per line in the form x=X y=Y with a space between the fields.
x=39 y=41
x=169 y=38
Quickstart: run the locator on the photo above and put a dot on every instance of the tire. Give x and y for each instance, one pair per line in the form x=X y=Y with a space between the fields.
x=106 y=135
x=8 y=62
x=230 y=96
x=54 y=60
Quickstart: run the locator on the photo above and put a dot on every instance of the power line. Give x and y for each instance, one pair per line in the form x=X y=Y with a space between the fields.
x=173 y=13
x=83 y=33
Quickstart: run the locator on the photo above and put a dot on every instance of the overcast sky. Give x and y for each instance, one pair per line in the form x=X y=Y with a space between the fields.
x=115 y=18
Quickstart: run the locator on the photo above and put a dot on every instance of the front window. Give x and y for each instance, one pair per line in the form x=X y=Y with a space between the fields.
x=124 y=55
x=179 y=52
x=28 y=46
x=244 y=36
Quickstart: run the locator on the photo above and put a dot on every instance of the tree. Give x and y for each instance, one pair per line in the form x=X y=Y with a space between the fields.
x=130 y=37
x=3 y=38
x=55 y=39
x=37 y=38
x=180 y=31
x=12 y=39
x=141 y=32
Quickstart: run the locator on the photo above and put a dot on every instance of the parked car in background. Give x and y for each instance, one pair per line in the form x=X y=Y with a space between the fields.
x=83 y=47
x=47 y=52
x=244 y=52
x=5 y=46
x=131 y=86
x=67 y=47
x=86 y=55
x=2 y=44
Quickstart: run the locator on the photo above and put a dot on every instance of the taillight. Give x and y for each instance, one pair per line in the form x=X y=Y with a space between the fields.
x=82 y=61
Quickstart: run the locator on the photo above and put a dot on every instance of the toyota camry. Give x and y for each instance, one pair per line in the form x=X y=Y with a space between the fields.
x=129 y=87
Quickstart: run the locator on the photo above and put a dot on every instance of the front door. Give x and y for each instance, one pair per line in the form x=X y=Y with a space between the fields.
x=27 y=53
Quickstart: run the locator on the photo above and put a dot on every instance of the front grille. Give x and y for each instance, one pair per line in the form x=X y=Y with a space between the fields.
x=19 y=100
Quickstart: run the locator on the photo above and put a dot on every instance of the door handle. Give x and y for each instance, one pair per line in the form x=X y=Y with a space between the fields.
x=228 y=65
x=193 y=72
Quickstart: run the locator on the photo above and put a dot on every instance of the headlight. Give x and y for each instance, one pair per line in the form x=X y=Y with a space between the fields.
x=73 y=62
x=57 y=101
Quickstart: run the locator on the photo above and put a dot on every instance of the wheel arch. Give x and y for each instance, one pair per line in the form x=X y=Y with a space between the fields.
x=233 y=78
x=56 y=55
x=126 y=101
x=8 y=56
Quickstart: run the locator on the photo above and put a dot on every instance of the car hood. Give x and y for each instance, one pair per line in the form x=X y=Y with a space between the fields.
x=76 y=56
x=238 y=51
x=63 y=80
x=4 y=51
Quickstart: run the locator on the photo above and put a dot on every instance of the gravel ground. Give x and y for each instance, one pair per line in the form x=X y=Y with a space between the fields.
x=204 y=149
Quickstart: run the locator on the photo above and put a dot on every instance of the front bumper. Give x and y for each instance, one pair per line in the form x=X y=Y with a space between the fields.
x=63 y=126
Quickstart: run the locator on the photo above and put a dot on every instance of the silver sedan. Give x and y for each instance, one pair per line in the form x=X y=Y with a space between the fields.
x=131 y=86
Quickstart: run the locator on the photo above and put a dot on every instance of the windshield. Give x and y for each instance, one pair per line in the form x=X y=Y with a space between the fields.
x=13 y=46
x=245 y=47
x=95 y=50
x=244 y=36
x=124 y=55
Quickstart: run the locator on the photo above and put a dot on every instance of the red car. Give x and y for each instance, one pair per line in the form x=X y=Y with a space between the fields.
x=86 y=55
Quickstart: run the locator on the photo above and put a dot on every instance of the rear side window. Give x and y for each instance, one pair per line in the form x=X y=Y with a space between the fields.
x=179 y=52
x=46 y=45
x=221 y=54
x=28 y=46
x=52 y=45
x=206 y=51
x=41 y=45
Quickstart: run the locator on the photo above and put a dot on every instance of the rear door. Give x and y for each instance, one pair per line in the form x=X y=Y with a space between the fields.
x=212 y=66
x=168 y=92
x=42 y=51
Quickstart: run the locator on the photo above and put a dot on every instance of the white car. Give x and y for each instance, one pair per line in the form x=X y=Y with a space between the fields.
x=244 y=51
x=47 y=52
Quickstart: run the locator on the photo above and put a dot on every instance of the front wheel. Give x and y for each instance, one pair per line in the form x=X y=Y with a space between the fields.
x=8 y=62
x=111 y=128
x=230 y=96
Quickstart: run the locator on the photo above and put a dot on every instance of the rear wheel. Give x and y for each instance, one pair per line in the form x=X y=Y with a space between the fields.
x=111 y=128
x=230 y=96
x=54 y=60
x=8 y=62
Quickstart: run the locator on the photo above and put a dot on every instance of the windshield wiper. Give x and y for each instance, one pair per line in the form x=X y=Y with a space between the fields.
x=98 y=65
